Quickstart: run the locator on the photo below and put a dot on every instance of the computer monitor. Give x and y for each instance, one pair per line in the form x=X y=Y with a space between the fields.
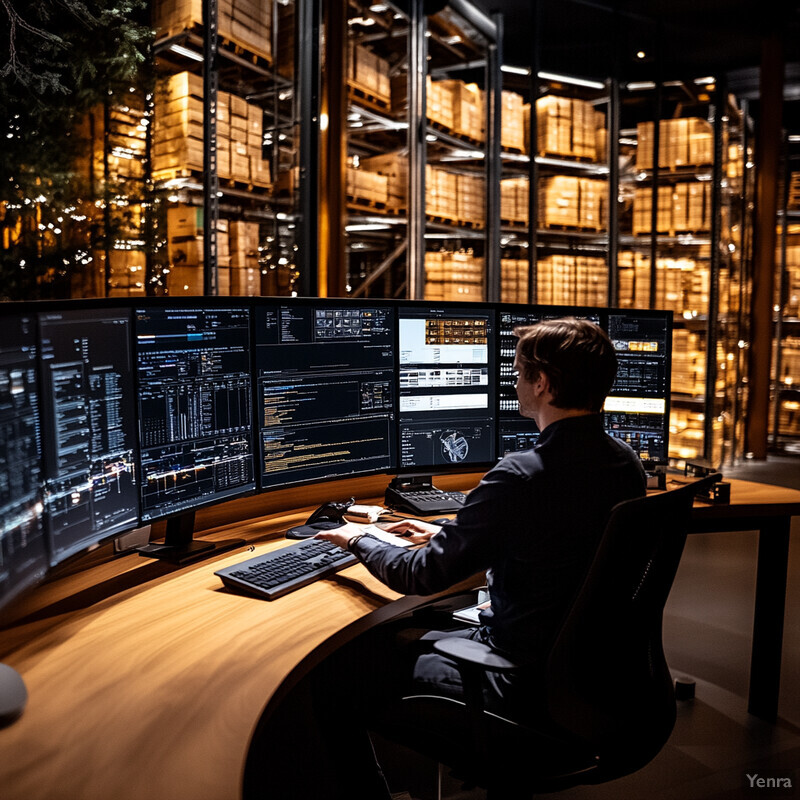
x=88 y=427
x=325 y=395
x=23 y=553
x=195 y=415
x=516 y=432
x=637 y=407
x=447 y=387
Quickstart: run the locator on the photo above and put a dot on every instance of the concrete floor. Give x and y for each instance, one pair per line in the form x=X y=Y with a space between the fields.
x=707 y=635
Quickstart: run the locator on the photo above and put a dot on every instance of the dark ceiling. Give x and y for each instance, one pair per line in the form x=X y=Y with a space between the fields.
x=679 y=39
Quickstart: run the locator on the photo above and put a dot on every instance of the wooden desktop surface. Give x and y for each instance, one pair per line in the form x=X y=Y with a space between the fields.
x=147 y=680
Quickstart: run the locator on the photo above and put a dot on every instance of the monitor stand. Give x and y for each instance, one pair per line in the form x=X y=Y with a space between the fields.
x=180 y=546
x=13 y=695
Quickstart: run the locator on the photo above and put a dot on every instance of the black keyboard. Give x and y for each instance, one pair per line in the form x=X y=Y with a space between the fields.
x=282 y=571
x=424 y=501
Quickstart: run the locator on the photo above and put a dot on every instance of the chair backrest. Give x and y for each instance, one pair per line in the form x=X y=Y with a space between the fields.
x=607 y=679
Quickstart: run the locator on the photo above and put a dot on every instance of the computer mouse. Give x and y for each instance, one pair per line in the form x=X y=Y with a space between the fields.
x=441 y=520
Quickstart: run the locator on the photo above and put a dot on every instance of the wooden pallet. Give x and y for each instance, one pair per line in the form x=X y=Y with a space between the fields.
x=197 y=175
x=360 y=203
x=441 y=219
x=566 y=157
x=361 y=95
x=573 y=228
x=466 y=138
x=514 y=223
x=256 y=57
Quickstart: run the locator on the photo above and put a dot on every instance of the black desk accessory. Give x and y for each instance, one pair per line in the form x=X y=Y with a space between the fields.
x=328 y=516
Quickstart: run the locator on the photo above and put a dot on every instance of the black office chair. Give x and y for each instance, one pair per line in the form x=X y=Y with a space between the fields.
x=607 y=694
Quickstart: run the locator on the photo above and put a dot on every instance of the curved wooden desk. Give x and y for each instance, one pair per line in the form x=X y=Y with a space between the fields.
x=147 y=680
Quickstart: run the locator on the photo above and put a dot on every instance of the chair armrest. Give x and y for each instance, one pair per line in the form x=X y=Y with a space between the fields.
x=468 y=651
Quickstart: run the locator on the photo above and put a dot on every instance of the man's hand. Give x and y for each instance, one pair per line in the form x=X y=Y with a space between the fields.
x=416 y=531
x=341 y=536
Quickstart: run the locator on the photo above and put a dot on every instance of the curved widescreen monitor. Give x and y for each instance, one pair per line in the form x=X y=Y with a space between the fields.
x=23 y=554
x=447 y=388
x=194 y=398
x=325 y=400
x=88 y=427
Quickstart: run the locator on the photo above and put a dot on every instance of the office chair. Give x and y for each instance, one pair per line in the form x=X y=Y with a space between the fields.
x=608 y=704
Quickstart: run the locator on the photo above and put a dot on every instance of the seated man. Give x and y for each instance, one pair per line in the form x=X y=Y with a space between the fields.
x=533 y=523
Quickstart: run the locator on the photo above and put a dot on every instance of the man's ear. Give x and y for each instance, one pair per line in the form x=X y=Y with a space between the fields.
x=542 y=384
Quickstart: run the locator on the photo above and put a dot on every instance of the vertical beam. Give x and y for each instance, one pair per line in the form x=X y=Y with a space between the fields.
x=533 y=149
x=106 y=196
x=739 y=406
x=767 y=165
x=612 y=223
x=307 y=72
x=712 y=323
x=417 y=150
x=210 y=174
x=654 y=189
x=782 y=291
x=494 y=109
x=333 y=130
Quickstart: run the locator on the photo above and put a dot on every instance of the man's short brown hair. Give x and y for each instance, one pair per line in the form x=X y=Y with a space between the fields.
x=576 y=356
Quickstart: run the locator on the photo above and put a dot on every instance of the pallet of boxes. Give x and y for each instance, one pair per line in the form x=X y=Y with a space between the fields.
x=453 y=275
x=684 y=206
x=243 y=25
x=368 y=79
x=184 y=274
x=178 y=134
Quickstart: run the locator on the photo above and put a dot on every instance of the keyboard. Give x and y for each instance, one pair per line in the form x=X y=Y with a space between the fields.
x=282 y=571
x=424 y=501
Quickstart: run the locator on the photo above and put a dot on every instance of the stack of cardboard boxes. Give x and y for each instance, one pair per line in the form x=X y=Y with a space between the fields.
x=514 y=280
x=368 y=73
x=568 y=127
x=367 y=187
x=178 y=133
x=682 y=142
x=514 y=201
x=682 y=208
x=247 y=23
x=571 y=280
x=453 y=276
x=570 y=202
x=245 y=270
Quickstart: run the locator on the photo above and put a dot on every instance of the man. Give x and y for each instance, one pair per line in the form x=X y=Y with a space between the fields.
x=533 y=523
x=535 y=520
